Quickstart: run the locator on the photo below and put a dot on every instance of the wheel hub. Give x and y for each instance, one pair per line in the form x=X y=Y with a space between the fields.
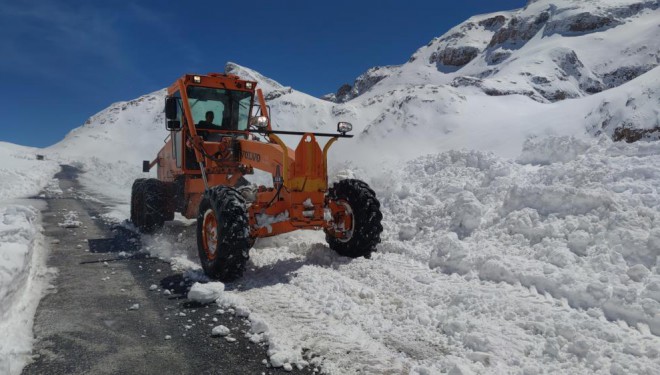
x=210 y=234
x=346 y=223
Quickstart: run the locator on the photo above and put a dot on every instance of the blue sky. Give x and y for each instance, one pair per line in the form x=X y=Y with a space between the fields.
x=63 y=60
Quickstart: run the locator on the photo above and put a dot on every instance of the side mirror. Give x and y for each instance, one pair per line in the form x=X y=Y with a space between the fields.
x=344 y=127
x=173 y=125
x=171 y=108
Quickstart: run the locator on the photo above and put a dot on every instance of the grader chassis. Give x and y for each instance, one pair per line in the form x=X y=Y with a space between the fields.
x=200 y=173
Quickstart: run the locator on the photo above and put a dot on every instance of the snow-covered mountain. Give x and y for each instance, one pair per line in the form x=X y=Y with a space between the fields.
x=519 y=238
x=549 y=51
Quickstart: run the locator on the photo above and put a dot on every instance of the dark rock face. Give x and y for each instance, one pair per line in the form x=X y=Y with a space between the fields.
x=633 y=9
x=623 y=75
x=583 y=23
x=332 y=97
x=369 y=79
x=518 y=31
x=579 y=24
x=277 y=93
x=451 y=50
x=362 y=84
x=458 y=56
x=589 y=22
x=570 y=64
x=493 y=23
x=467 y=81
x=344 y=93
x=494 y=57
x=630 y=135
x=492 y=91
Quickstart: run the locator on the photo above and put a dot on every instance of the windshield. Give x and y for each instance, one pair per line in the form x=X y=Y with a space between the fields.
x=219 y=108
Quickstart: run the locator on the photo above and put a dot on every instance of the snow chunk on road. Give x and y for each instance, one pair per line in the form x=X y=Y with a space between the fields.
x=220 y=331
x=70 y=220
x=206 y=293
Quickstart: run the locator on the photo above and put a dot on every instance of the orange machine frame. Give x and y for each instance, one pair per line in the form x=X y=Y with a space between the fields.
x=298 y=201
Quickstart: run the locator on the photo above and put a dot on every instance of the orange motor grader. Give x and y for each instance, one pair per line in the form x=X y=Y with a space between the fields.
x=218 y=134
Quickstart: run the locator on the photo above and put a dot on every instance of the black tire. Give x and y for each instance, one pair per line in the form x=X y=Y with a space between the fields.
x=136 y=191
x=148 y=204
x=225 y=258
x=366 y=219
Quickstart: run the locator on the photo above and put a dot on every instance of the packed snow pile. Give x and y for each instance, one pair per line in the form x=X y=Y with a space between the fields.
x=22 y=250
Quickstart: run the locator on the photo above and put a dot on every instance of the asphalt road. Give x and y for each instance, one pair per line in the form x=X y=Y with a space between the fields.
x=86 y=325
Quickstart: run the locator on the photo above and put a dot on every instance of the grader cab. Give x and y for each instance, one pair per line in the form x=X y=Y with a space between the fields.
x=218 y=134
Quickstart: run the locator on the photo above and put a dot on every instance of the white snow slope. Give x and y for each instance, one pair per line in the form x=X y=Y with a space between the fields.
x=515 y=241
x=23 y=254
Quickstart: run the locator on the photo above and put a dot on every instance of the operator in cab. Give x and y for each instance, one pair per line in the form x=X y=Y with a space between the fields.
x=208 y=123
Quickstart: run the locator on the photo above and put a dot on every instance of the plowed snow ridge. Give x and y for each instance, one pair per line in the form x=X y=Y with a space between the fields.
x=487 y=265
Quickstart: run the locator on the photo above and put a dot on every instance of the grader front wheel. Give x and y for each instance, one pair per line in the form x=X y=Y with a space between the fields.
x=357 y=228
x=223 y=240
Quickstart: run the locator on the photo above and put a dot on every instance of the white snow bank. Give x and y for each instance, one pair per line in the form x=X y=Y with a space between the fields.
x=579 y=231
x=22 y=249
x=21 y=174
x=23 y=279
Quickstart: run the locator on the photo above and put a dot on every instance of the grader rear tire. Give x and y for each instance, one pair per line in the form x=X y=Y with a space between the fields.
x=136 y=196
x=148 y=204
x=223 y=240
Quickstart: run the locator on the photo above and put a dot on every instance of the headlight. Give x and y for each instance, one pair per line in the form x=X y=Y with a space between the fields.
x=260 y=122
x=197 y=79
x=344 y=127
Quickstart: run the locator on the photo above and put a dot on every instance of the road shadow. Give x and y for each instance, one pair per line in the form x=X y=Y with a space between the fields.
x=178 y=284
x=285 y=270
x=123 y=239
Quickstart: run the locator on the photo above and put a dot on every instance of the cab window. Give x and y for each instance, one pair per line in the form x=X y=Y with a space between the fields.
x=219 y=109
